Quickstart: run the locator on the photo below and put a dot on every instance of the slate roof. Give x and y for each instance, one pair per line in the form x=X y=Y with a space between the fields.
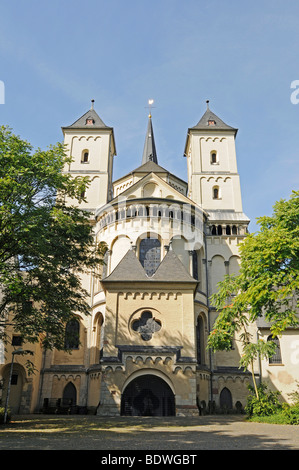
x=129 y=269
x=81 y=122
x=149 y=167
x=261 y=322
x=172 y=269
x=149 y=150
x=226 y=215
x=203 y=123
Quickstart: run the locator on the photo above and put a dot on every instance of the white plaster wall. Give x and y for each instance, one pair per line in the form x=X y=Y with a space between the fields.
x=97 y=143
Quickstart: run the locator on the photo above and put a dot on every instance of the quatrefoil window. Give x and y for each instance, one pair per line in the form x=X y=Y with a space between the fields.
x=146 y=325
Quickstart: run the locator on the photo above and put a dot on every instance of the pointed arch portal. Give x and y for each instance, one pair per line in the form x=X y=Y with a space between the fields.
x=148 y=395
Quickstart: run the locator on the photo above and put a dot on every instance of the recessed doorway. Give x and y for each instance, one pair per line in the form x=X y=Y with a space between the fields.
x=148 y=395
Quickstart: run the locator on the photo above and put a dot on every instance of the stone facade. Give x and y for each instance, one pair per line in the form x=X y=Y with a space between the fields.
x=143 y=349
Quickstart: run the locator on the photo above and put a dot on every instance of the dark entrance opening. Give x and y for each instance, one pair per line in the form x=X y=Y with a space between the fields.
x=148 y=395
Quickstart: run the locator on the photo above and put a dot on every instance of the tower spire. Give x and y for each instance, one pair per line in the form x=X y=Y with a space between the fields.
x=149 y=150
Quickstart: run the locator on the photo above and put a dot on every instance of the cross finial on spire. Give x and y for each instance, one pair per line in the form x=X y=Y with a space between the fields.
x=150 y=106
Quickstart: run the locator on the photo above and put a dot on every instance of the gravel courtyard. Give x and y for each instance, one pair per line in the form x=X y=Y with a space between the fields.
x=41 y=432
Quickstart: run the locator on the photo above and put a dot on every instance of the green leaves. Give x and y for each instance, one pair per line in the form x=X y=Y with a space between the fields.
x=44 y=243
x=267 y=284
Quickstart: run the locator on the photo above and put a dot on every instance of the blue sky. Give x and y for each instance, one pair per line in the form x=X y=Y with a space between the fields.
x=55 y=56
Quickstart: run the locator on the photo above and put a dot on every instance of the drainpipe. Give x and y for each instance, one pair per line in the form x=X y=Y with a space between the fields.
x=209 y=322
x=41 y=385
x=259 y=359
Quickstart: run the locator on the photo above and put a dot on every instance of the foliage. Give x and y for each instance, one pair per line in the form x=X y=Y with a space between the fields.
x=45 y=243
x=291 y=414
x=2 y=412
x=269 y=409
x=266 y=404
x=294 y=396
x=267 y=284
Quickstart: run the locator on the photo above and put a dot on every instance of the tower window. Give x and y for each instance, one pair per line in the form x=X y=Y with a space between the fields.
x=85 y=156
x=211 y=122
x=216 y=192
x=89 y=121
x=213 y=157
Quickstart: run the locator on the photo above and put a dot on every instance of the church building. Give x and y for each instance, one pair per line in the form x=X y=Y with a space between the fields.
x=142 y=351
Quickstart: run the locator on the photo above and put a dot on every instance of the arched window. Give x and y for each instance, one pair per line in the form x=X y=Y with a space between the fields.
x=227 y=230
x=200 y=341
x=72 y=330
x=150 y=254
x=213 y=157
x=85 y=156
x=194 y=264
x=216 y=192
x=276 y=358
x=214 y=230
x=105 y=265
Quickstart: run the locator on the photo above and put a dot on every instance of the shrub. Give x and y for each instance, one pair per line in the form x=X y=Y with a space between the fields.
x=291 y=413
x=2 y=411
x=267 y=403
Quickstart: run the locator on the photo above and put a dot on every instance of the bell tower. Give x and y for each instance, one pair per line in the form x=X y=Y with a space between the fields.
x=91 y=145
x=213 y=178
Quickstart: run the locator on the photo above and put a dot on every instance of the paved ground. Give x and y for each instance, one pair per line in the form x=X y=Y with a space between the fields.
x=40 y=432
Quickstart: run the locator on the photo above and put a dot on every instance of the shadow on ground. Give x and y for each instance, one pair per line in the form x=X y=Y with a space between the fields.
x=225 y=432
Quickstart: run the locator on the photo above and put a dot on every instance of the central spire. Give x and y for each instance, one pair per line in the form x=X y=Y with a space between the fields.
x=149 y=150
